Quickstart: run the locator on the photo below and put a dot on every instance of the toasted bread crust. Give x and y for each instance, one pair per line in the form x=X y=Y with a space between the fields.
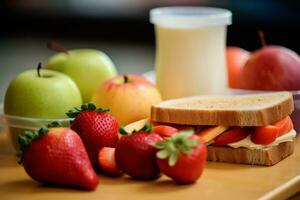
x=260 y=116
x=266 y=157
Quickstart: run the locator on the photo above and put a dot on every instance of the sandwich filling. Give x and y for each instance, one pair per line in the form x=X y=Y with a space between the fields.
x=249 y=137
x=247 y=143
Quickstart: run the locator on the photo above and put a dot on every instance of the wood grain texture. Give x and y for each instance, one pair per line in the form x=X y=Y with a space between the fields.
x=239 y=110
x=219 y=181
x=267 y=157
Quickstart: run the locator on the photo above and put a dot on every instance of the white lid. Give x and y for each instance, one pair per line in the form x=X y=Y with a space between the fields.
x=190 y=17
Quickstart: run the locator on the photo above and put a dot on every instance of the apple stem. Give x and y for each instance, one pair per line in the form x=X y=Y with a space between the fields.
x=262 y=38
x=125 y=79
x=39 y=69
x=55 y=46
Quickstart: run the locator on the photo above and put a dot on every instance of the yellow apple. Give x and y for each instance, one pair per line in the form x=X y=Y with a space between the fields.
x=129 y=97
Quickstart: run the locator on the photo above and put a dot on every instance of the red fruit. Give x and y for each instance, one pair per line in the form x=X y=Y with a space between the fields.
x=285 y=125
x=182 y=157
x=97 y=129
x=268 y=134
x=271 y=68
x=58 y=157
x=236 y=59
x=107 y=161
x=135 y=155
x=234 y=134
x=165 y=131
x=264 y=134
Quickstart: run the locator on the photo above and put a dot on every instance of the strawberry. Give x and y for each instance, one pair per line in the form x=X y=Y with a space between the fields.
x=181 y=157
x=135 y=154
x=96 y=127
x=57 y=156
x=107 y=162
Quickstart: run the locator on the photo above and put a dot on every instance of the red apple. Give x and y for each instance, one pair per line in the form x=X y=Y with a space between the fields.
x=129 y=97
x=236 y=59
x=271 y=68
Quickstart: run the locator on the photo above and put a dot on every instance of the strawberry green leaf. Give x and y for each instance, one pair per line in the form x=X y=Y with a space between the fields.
x=54 y=124
x=43 y=131
x=91 y=106
x=162 y=154
x=122 y=131
x=28 y=134
x=173 y=159
x=171 y=147
x=160 y=144
x=100 y=110
x=76 y=110
x=23 y=141
x=147 y=128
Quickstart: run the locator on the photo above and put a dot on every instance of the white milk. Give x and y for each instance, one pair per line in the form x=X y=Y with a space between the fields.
x=190 y=51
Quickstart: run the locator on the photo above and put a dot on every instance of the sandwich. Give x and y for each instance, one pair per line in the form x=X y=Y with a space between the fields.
x=250 y=129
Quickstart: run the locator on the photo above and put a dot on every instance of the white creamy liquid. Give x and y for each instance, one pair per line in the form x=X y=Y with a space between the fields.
x=190 y=61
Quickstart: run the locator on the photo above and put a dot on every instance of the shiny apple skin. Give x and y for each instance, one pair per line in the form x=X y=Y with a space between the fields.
x=130 y=101
x=236 y=59
x=271 y=68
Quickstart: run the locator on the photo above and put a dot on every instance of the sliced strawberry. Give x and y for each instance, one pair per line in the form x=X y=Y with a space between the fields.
x=232 y=135
x=107 y=161
x=285 y=125
x=267 y=134
x=264 y=134
x=165 y=131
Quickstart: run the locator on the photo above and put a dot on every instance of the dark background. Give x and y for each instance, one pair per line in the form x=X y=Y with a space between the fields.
x=121 y=28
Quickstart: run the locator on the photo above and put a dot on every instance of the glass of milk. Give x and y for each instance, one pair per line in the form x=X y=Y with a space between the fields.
x=190 y=50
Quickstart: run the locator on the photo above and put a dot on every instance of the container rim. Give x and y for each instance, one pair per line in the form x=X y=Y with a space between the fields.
x=2 y=115
x=190 y=16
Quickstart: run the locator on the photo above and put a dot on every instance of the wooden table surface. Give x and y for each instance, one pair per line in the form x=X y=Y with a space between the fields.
x=219 y=181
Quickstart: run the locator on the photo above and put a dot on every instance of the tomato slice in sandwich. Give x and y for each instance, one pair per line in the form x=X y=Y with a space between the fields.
x=165 y=131
x=267 y=134
x=285 y=125
x=234 y=134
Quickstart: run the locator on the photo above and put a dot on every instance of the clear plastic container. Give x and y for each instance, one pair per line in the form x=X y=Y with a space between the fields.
x=296 y=97
x=15 y=125
x=190 y=50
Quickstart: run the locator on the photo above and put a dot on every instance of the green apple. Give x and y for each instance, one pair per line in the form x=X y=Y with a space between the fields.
x=41 y=94
x=87 y=67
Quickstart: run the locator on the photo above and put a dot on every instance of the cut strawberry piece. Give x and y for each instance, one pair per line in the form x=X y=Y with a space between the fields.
x=165 y=131
x=264 y=134
x=285 y=125
x=232 y=135
x=107 y=161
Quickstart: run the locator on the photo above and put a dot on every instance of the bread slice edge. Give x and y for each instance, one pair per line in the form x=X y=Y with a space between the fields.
x=266 y=157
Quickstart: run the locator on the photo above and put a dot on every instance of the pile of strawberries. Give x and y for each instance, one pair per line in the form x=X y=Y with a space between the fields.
x=72 y=156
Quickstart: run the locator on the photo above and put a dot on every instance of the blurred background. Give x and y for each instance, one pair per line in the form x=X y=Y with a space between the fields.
x=121 y=28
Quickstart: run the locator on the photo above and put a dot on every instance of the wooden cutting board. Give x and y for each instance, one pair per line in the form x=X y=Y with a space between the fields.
x=219 y=181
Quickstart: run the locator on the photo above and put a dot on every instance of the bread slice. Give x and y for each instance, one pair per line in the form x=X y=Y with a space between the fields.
x=267 y=156
x=238 y=110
